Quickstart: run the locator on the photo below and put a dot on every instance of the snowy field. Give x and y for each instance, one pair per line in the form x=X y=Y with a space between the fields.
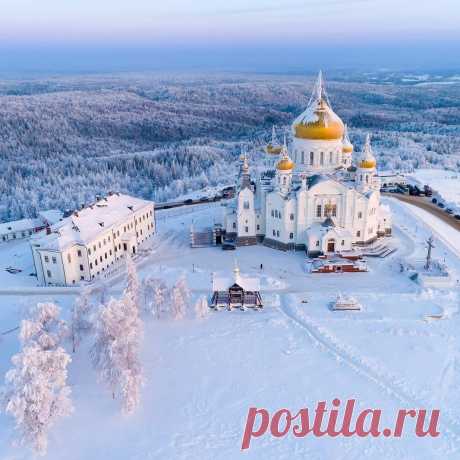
x=202 y=375
x=444 y=182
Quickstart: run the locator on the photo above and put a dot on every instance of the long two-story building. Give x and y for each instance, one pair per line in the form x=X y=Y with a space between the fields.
x=89 y=242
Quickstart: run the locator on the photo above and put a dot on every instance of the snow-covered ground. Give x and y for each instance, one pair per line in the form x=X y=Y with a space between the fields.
x=203 y=375
x=445 y=183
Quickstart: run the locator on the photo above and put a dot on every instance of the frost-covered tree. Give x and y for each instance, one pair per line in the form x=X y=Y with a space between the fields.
x=115 y=353
x=81 y=324
x=155 y=294
x=180 y=299
x=161 y=300
x=36 y=392
x=201 y=307
x=133 y=285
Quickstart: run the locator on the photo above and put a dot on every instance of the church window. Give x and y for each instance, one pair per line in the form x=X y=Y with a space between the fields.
x=258 y=227
x=234 y=224
x=291 y=216
x=291 y=236
x=330 y=157
x=279 y=214
x=318 y=211
x=321 y=158
x=278 y=233
x=246 y=205
x=48 y=273
x=343 y=242
x=303 y=157
x=79 y=253
x=367 y=179
x=47 y=259
x=334 y=210
x=274 y=233
x=69 y=259
x=273 y=213
x=246 y=229
x=360 y=215
x=276 y=213
x=284 y=180
x=311 y=158
x=53 y=259
x=317 y=243
x=358 y=233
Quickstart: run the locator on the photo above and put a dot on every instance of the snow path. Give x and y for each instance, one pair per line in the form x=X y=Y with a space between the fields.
x=448 y=235
x=343 y=353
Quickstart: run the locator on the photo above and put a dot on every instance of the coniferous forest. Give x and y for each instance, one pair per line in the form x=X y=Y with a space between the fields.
x=64 y=140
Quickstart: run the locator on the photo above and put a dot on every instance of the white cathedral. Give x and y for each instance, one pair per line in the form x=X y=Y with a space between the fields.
x=317 y=201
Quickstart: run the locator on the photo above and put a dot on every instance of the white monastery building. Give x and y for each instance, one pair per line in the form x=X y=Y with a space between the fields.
x=25 y=228
x=90 y=241
x=311 y=197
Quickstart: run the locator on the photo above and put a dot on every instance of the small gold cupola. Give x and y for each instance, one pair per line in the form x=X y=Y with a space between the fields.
x=368 y=160
x=347 y=146
x=273 y=147
x=285 y=164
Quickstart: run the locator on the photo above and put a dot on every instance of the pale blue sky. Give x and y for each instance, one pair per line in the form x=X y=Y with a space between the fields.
x=231 y=34
x=154 y=21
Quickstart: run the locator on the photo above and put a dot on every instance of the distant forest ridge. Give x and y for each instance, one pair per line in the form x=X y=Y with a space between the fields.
x=65 y=140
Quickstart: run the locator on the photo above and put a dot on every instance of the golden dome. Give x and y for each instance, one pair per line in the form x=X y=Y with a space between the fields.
x=285 y=164
x=274 y=149
x=347 y=148
x=367 y=164
x=368 y=160
x=319 y=123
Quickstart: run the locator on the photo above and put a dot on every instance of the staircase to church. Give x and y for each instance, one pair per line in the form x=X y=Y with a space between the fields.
x=202 y=238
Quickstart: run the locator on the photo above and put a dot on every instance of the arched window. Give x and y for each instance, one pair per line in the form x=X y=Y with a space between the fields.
x=367 y=179
x=321 y=158
x=284 y=180
x=330 y=157
x=311 y=158
x=246 y=205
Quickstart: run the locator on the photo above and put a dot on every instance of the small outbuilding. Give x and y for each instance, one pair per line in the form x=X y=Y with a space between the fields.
x=237 y=292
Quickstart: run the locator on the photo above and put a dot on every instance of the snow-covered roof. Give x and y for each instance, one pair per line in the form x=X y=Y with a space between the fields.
x=84 y=225
x=51 y=216
x=19 y=225
x=248 y=284
x=319 y=230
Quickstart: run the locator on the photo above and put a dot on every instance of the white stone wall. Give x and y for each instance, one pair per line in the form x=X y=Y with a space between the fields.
x=326 y=155
x=246 y=215
x=85 y=262
x=281 y=218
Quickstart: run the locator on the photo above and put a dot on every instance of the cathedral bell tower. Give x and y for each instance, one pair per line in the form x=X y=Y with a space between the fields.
x=366 y=171
x=284 y=169
x=245 y=177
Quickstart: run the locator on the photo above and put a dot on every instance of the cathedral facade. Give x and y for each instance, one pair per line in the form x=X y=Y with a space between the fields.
x=315 y=196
